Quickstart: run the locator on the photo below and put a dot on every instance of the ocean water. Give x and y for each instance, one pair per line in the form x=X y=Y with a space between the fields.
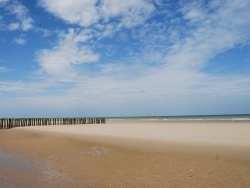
x=240 y=118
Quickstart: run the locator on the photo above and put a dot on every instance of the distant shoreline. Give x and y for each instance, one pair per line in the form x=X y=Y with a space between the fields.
x=241 y=118
x=142 y=116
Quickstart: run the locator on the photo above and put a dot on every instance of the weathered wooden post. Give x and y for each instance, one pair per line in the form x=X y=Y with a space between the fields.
x=1 y=124
x=8 y=123
x=4 y=124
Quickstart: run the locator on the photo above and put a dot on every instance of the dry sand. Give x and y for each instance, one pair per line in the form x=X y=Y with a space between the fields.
x=127 y=154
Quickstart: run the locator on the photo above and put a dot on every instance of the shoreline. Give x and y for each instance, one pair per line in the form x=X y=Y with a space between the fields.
x=181 y=120
x=132 y=155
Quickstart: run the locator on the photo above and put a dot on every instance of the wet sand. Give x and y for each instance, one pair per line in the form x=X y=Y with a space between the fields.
x=127 y=154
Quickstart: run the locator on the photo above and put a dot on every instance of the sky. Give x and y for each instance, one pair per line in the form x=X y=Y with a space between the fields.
x=78 y=58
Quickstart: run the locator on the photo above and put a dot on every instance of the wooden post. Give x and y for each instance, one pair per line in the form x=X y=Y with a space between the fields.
x=8 y=123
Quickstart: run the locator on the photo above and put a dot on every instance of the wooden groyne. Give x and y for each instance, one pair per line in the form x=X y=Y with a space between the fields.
x=24 y=122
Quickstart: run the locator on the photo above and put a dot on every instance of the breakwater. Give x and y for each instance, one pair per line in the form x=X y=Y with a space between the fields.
x=24 y=122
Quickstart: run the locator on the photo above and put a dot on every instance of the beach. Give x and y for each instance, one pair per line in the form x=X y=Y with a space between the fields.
x=124 y=153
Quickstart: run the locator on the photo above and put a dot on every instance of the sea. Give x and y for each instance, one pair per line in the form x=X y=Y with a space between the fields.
x=239 y=118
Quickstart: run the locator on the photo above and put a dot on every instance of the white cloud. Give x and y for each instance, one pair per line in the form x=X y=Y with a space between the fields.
x=14 y=26
x=132 y=12
x=69 y=51
x=20 y=40
x=45 y=32
x=59 y=62
x=3 y=1
x=221 y=28
x=22 y=19
x=3 y=69
x=82 y=12
x=19 y=87
x=27 y=23
x=88 y=12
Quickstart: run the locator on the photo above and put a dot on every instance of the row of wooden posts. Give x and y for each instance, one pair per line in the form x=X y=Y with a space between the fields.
x=24 y=122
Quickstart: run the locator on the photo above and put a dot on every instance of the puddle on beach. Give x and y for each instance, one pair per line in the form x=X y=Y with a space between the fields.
x=15 y=170
x=18 y=166
x=17 y=163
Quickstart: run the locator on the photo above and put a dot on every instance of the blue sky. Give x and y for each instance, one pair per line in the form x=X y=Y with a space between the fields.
x=124 y=58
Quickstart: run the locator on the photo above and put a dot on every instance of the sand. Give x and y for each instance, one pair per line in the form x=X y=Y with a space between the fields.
x=127 y=154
